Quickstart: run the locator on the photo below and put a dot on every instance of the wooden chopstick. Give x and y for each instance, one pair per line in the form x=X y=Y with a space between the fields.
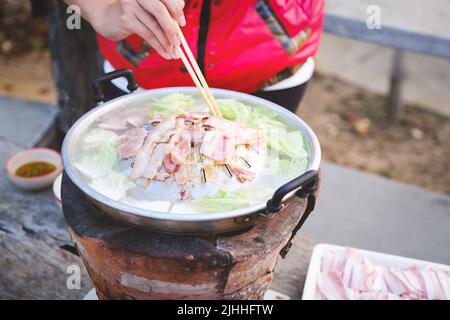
x=196 y=81
x=198 y=72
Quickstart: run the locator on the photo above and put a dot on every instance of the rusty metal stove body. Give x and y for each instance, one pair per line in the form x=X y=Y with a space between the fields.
x=125 y=262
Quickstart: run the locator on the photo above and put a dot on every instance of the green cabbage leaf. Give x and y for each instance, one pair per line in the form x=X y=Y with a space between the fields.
x=225 y=201
x=114 y=185
x=171 y=104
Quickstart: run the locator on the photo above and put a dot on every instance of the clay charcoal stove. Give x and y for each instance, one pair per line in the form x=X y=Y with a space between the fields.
x=126 y=262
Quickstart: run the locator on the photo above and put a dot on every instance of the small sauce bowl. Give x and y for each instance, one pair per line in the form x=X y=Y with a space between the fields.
x=33 y=155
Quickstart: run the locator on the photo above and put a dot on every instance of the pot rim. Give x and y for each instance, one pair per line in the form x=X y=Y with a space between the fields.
x=138 y=213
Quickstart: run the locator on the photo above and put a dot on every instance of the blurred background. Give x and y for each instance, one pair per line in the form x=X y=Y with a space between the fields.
x=379 y=102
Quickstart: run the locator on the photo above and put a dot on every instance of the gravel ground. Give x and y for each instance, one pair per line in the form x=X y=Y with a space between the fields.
x=352 y=130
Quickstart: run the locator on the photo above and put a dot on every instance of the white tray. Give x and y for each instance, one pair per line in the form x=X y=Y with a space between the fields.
x=388 y=260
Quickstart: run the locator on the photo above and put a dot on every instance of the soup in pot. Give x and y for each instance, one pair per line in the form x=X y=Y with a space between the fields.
x=170 y=155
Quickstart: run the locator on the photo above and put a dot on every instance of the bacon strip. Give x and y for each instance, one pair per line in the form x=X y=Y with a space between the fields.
x=243 y=174
x=156 y=161
x=132 y=141
x=352 y=276
x=167 y=148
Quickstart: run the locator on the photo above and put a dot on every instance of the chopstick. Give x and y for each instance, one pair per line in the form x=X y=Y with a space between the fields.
x=197 y=83
x=197 y=75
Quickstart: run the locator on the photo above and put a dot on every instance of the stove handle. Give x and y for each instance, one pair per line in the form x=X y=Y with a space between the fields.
x=305 y=184
x=99 y=83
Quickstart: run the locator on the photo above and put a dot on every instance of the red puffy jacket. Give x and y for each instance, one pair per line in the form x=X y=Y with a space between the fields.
x=241 y=45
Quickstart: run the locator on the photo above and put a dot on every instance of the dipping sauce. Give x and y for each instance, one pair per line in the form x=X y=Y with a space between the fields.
x=35 y=169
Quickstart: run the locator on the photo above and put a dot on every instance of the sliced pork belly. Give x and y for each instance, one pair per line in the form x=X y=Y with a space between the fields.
x=394 y=284
x=330 y=286
x=179 y=147
x=218 y=140
x=432 y=284
x=218 y=146
x=409 y=280
x=132 y=141
x=361 y=279
x=197 y=134
x=444 y=281
x=196 y=116
x=162 y=132
x=221 y=124
x=181 y=175
x=135 y=132
x=156 y=161
x=249 y=136
x=142 y=159
x=243 y=174
x=376 y=281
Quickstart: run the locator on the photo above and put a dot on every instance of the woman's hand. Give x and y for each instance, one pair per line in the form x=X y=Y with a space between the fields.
x=153 y=20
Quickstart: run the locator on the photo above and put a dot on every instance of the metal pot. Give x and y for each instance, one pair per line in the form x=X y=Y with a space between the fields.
x=215 y=222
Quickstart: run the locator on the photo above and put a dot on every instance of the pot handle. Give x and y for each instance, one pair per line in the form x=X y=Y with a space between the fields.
x=306 y=183
x=98 y=85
